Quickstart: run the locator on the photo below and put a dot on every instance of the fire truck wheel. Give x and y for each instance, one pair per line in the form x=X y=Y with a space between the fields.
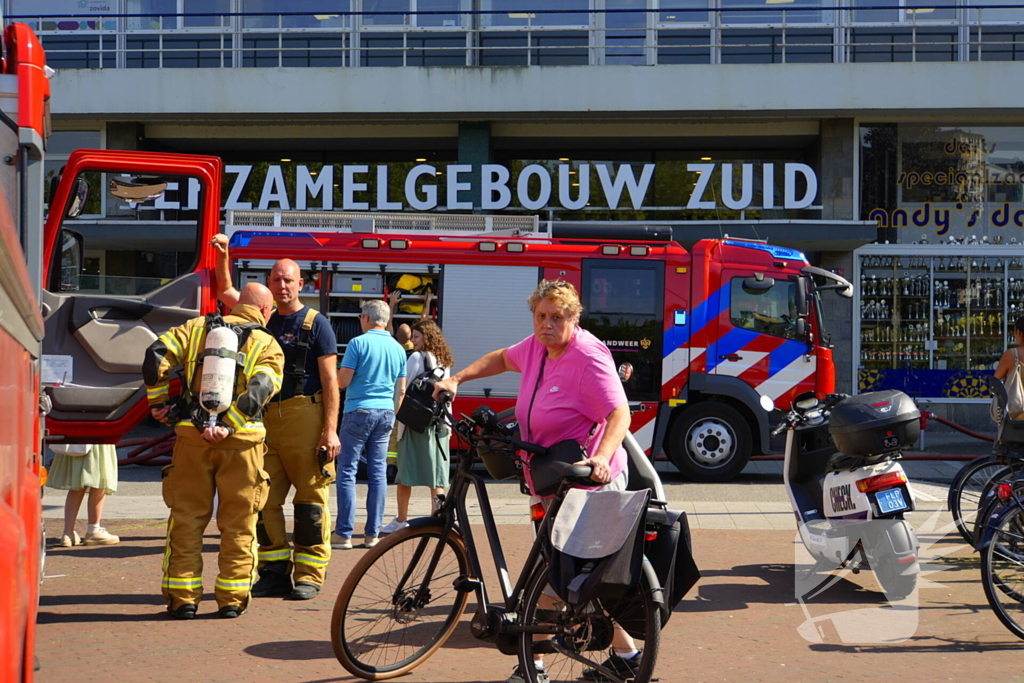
x=710 y=442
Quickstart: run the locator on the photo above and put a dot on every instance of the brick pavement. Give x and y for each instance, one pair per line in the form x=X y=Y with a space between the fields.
x=101 y=619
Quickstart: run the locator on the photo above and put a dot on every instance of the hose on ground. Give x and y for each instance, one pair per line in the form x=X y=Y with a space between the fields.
x=961 y=428
x=154 y=451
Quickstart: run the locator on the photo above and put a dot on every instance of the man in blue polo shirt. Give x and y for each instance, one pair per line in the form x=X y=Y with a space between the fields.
x=373 y=371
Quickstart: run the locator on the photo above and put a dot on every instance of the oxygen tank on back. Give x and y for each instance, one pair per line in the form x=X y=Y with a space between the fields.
x=217 y=386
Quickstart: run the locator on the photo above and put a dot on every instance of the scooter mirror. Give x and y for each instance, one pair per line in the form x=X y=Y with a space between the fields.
x=767 y=404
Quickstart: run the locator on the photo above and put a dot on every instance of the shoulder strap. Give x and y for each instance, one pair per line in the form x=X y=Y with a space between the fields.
x=298 y=370
x=429 y=363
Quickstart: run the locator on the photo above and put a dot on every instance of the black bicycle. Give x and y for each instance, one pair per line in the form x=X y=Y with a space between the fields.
x=1001 y=545
x=403 y=599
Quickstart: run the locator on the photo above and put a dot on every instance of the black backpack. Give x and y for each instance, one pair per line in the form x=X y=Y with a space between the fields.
x=419 y=411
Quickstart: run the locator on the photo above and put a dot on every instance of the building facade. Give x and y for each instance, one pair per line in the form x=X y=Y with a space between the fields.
x=824 y=125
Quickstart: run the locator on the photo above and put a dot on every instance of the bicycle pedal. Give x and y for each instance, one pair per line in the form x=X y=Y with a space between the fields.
x=466 y=584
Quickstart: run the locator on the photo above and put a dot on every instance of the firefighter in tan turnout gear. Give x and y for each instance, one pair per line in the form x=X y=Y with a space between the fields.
x=224 y=459
x=302 y=437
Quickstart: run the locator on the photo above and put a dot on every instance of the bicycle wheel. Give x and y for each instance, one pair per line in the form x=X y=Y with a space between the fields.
x=1002 y=570
x=586 y=634
x=965 y=492
x=383 y=625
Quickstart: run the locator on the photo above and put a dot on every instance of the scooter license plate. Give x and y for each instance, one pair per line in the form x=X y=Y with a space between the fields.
x=891 y=501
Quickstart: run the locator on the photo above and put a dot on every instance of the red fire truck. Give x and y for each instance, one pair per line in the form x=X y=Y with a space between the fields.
x=24 y=95
x=703 y=333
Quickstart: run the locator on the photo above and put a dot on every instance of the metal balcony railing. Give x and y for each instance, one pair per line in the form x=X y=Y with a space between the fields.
x=780 y=31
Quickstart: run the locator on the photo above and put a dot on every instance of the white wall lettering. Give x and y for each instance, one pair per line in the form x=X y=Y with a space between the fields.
x=746 y=191
x=382 y=191
x=523 y=187
x=791 y=202
x=565 y=181
x=455 y=186
x=323 y=187
x=241 y=178
x=624 y=176
x=349 y=188
x=704 y=177
x=494 y=178
x=429 y=191
x=274 y=190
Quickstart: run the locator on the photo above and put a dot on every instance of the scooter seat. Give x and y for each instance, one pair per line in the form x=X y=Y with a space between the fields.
x=842 y=461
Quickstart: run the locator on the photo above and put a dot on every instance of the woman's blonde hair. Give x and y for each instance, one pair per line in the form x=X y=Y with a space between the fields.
x=559 y=292
x=434 y=342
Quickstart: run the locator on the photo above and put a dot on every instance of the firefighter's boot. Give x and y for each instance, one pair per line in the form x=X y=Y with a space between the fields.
x=275 y=581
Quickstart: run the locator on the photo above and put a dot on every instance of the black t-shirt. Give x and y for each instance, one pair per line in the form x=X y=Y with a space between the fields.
x=322 y=342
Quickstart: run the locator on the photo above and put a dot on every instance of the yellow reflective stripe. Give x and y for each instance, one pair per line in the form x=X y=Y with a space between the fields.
x=271 y=555
x=172 y=344
x=193 y=353
x=157 y=393
x=183 y=582
x=232 y=585
x=275 y=376
x=303 y=558
x=234 y=417
x=252 y=357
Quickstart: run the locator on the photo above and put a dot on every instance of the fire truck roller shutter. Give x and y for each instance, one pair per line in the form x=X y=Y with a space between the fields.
x=711 y=440
x=484 y=308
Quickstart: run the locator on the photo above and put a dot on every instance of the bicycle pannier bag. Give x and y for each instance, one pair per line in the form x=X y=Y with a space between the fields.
x=597 y=544
x=671 y=558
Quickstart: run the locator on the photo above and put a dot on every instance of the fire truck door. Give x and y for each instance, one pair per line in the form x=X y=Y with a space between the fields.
x=757 y=341
x=124 y=269
x=484 y=308
x=623 y=307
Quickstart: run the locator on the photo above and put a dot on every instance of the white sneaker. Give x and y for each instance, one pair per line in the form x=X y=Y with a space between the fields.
x=392 y=526
x=340 y=542
x=370 y=541
x=100 y=537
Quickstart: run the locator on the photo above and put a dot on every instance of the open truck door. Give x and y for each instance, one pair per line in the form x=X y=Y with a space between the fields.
x=127 y=257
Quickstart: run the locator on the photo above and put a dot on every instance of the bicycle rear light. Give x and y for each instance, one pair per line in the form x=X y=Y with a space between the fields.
x=537 y=512
x=1004 y=491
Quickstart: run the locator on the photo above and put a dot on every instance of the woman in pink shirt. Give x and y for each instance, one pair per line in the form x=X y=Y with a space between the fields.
x=569 y=390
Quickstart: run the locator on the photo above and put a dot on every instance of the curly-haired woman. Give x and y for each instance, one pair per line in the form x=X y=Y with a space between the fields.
x=422 y=458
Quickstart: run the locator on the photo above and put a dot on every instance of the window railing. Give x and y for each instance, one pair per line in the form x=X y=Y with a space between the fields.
x=782 y=32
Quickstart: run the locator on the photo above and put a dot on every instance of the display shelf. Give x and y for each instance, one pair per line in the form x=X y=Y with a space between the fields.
x=343 y=315
x=355 y=295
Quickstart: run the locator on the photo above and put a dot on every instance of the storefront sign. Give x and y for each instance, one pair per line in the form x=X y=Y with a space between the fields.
x=566 y=186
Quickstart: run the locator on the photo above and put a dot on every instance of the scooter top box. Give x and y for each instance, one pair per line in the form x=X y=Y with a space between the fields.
x=875 y=423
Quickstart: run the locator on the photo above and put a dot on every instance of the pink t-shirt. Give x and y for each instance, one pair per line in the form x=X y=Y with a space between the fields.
x=577 y=389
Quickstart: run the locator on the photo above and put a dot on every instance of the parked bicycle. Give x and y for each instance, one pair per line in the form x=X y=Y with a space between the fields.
x=971 y=497
x=403 y=599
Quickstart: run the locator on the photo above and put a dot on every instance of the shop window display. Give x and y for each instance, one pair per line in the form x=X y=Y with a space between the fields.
x=935 y=319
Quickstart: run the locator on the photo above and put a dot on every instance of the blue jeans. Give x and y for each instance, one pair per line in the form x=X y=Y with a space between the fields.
x=370 y=428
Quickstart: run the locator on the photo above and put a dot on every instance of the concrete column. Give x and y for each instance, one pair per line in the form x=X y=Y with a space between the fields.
x=126 y=135
x=475 y=150
x=838 y=154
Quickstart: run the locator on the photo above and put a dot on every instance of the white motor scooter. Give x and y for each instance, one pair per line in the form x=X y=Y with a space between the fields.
x=851 y=505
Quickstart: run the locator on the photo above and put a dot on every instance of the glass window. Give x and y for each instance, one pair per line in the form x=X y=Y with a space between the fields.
x=121 y=259
x=770 y=312
x=1013 y=12
x=934 y=182
x=152 y=14
x=757 y=12
x=207 y=7
x=523 y=12
x=622 y=306
x=683 y=11
x=314 y=13
x=59 y=11
x=389 y=6
x=441 y=6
